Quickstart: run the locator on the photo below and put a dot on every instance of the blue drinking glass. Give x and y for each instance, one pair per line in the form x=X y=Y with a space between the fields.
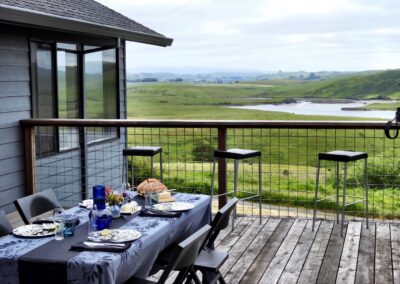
x=99 y=196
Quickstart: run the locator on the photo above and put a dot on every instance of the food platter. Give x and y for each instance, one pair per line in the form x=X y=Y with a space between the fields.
x=35 y=230
x=173 y=206
x=116 y=235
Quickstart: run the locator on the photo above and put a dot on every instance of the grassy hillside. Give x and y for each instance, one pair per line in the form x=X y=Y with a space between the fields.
x=365 y=85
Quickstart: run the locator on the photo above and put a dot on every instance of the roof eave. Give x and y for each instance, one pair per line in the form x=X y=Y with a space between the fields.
x=33 y=18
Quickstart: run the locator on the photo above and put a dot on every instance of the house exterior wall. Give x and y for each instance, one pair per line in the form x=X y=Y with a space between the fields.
x=61 y=172
x=14 y=105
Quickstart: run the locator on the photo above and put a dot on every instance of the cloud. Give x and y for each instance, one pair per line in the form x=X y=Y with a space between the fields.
x=267 y=34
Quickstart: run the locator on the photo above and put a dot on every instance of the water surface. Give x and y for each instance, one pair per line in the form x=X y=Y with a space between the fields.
x=326 y=109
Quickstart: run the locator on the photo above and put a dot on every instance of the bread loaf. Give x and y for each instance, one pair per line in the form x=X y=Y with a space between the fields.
x=151 y=185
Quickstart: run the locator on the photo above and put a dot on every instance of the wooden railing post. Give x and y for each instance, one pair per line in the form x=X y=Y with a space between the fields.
x=222 y=199
x=30 y=155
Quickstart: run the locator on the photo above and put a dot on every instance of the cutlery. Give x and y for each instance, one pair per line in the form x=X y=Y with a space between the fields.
x=90 y=244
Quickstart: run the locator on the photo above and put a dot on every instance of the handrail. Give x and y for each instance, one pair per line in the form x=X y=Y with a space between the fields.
x=295 y=124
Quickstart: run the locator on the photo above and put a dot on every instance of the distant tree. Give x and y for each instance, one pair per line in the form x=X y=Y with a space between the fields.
x=312 y=76
x=149 y=80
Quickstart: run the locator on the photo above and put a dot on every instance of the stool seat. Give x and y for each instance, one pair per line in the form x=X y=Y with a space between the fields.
x=237 y=154
x=142 y=151
x=342 y=156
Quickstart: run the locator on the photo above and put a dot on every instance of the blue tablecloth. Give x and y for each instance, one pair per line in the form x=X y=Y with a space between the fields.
x=106 y=267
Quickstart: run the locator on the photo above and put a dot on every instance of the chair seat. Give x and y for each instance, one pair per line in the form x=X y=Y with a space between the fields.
x=342 y=156
x=237 y=154
x=210 y=260
x=142 y=151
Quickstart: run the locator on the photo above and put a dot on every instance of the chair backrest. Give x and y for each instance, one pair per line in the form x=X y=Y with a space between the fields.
x=36 y=204
x=5 y=226
x=185 y=253
x=220 y=222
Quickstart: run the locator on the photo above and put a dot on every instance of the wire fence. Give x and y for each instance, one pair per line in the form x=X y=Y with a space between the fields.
x=289 y=158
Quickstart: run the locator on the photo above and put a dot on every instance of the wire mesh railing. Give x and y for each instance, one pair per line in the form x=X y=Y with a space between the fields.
x=289 y=157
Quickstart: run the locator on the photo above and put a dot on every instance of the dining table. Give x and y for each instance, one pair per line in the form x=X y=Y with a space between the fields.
x=46 y=260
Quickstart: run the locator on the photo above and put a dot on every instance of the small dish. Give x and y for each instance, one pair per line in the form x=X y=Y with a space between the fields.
x=116 y=235
x=87 y=203
x=138 y=208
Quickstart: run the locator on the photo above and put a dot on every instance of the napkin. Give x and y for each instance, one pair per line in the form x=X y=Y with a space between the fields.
x=156 y=213
x=108 y=247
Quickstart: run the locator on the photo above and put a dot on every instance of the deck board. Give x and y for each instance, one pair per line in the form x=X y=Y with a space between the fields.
x=293 y=268
x=348 y=261
x=284 y=250
x=312 y=265
x=278 y=263
x=383 y=255
x=366 y=256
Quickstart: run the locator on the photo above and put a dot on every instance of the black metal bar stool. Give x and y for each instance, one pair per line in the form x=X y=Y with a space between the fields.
x=345 y=157
x=238 y=154
x=142 y=151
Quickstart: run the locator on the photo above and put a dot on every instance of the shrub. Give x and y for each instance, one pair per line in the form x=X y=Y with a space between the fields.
x=203 y=153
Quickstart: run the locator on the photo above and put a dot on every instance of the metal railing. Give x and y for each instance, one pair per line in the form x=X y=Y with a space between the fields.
x=289 y=153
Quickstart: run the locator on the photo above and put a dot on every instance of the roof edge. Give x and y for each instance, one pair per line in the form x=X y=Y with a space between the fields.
x=48 y=21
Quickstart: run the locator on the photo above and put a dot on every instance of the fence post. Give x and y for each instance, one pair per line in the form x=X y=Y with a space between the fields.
x=222 y=167
x=30 y=155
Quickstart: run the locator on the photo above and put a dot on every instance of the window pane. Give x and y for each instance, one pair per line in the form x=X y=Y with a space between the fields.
x=44 y=97
x=101 y=90
x=100 y=84
x=68 y=97
x=69 y=46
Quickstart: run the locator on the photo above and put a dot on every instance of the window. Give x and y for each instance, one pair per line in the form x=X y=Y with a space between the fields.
x=68 y=94
x=72 y=80
x=100 y=81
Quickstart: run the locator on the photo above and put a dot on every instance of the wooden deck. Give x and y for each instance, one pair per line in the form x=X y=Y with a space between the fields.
x=287 y=251
x=283 y=250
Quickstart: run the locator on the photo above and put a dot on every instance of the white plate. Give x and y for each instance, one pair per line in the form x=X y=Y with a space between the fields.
x=34 y=231
x=88 y=203
x=173 y=206
x=116 y=235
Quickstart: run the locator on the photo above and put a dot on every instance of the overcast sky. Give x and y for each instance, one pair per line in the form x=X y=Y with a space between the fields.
x=266 y=35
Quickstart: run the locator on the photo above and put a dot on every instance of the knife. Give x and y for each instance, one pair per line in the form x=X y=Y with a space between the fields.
x=90 y=244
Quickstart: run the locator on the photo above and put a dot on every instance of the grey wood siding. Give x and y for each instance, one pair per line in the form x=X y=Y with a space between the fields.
x=14 y=105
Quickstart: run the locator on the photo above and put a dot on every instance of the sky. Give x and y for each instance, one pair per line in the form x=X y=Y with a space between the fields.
x=265 y=35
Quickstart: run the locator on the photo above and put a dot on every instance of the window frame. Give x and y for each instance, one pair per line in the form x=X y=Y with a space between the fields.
x=80 y=43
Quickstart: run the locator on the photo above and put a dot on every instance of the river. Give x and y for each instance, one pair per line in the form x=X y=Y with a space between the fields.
x=327 y=109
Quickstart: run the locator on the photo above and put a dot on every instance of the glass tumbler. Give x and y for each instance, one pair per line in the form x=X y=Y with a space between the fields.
x=148 y=202
x=59 y=223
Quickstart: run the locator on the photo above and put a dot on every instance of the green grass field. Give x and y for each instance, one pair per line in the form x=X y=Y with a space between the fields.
x=289 y=156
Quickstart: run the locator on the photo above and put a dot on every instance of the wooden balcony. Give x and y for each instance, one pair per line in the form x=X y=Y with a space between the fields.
x=285 y=250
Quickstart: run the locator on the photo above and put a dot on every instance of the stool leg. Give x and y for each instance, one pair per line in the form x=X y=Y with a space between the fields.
x=235 y=179
x=316 y=196
x=344 y=199
x=161 y=175
x=337 y=192
x=366 y=191
x=260 y=187
x=151 y=167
